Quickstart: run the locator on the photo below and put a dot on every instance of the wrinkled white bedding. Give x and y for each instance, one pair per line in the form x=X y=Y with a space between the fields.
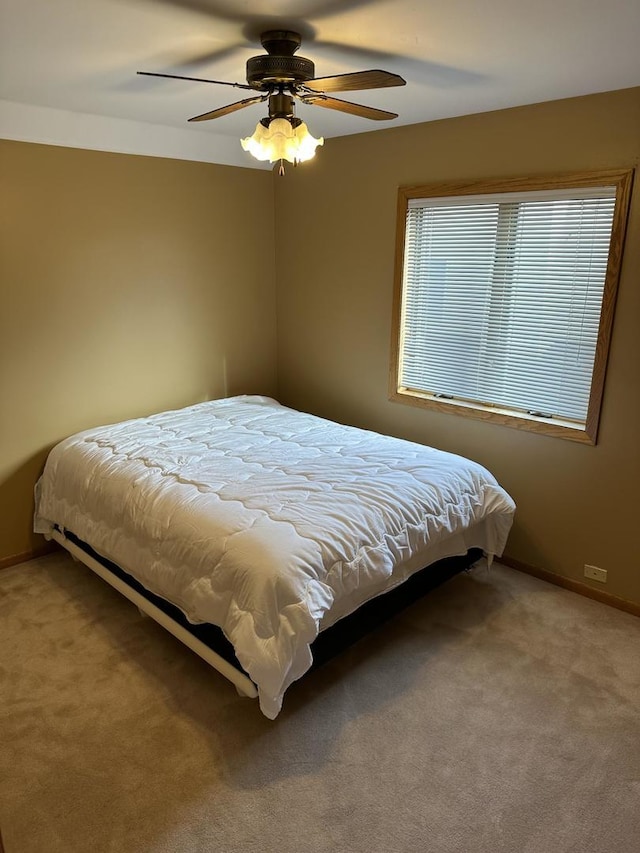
x=265 y=521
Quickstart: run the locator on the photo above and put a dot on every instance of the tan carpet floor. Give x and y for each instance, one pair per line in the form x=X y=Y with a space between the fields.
x=499 y=713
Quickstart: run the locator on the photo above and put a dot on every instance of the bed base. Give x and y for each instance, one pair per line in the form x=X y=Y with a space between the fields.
x=242 y=682
x=208 y=641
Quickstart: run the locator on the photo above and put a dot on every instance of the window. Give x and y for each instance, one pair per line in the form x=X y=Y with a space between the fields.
x=504 y=299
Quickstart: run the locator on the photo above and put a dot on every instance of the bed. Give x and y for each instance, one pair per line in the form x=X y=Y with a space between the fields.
x=271 y=525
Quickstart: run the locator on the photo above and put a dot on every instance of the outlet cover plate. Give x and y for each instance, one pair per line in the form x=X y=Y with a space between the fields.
x=595 y=574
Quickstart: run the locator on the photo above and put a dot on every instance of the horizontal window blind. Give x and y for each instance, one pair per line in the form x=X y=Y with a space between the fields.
x=502 y=297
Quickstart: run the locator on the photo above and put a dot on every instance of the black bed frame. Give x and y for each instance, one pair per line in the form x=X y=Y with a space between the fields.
x=329 y=642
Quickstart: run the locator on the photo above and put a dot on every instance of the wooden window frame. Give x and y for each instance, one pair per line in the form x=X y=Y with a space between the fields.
x=622 y=180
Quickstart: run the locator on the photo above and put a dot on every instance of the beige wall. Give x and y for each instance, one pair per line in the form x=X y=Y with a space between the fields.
x=133 y=284
x=335 y=221
x=128 y=285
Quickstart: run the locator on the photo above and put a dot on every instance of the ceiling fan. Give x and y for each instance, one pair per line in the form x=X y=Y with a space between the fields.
x=280 y=78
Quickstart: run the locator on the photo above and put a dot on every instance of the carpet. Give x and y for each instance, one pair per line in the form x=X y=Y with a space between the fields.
x=499 y=713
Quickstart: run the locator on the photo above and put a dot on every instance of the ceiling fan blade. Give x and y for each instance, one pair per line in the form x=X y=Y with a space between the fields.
x=375 y=79
x=195 y=79
x=348 y=107
x=230 y=108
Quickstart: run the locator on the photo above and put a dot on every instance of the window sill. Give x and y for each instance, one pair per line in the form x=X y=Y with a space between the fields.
x=555 y=427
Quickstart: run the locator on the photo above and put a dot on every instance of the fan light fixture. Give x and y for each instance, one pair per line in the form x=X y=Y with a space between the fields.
x=280 y=77
x=282 y=138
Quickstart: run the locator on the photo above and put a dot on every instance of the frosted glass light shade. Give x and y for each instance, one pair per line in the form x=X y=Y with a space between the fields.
x=281 y=141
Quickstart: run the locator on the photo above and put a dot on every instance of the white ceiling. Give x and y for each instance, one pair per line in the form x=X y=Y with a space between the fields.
x=68 y=67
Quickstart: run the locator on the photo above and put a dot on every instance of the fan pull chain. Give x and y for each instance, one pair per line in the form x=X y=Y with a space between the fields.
x=281 y=169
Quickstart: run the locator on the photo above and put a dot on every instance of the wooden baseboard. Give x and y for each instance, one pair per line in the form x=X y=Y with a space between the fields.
x=573 y=585
x=47 y=548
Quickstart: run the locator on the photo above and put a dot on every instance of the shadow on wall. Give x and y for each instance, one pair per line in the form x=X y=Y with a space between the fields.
x=16 y=493
x=525 y=542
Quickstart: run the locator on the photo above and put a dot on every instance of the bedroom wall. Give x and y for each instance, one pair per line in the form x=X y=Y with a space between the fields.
x=335 y=221
x=128 y=285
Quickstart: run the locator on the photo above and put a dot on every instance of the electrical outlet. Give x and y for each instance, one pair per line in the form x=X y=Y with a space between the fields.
x=595 y=574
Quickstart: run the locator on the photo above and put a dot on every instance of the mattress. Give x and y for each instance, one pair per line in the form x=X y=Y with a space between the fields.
x=270 y=523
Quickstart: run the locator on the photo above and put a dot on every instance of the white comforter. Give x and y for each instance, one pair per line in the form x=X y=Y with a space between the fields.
x=267 y=522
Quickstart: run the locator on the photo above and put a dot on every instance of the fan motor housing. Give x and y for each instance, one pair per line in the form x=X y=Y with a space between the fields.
x=265 y=69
